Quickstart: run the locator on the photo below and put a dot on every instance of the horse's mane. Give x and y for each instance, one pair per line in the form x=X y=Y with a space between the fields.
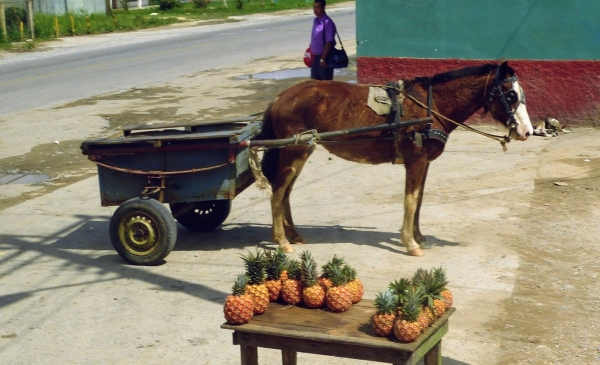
x=456 y=74
x=425 y=81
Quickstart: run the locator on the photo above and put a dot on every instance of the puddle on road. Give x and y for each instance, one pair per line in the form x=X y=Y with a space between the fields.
x=22 y=178
x=291 y=74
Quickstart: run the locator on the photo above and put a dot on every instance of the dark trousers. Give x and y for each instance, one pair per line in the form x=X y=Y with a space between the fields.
x=320 y=73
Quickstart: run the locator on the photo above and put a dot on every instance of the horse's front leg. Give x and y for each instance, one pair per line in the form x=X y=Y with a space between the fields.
x=419 y=237
x=416 y=171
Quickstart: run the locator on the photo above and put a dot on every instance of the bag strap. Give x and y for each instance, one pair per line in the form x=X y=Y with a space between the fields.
x=336 y=33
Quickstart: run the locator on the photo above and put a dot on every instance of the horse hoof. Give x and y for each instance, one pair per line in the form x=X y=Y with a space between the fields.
x=416 y=252
x=287 y=248
x=296 y=239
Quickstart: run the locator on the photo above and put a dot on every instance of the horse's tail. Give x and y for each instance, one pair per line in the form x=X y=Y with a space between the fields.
x=270 y=160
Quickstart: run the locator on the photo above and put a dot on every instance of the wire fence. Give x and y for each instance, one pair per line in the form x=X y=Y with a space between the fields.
x=15 y=16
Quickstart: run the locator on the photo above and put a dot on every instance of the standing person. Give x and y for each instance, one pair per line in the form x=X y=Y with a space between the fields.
x=321 y=42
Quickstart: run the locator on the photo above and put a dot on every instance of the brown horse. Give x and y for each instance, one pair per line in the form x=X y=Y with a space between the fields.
x=329 y=105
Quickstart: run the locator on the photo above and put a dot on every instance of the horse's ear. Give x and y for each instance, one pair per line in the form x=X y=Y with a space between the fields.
x=503 y=68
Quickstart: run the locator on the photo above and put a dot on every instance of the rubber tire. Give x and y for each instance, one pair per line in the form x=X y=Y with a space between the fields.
x=203 y=216
x=151 y=224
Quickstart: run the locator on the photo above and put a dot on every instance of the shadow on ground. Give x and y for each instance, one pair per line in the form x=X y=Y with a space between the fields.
x=91 y=233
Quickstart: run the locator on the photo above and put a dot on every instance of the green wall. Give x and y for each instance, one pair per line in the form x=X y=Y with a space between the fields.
x=479 y=29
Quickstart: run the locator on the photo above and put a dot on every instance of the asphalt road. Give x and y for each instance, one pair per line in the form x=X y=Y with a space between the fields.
x=79 y=69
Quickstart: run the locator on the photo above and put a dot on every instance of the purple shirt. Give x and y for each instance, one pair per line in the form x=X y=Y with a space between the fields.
x=317 y=39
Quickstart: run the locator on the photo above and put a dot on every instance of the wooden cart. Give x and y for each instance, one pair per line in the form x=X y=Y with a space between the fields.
x=196 y=168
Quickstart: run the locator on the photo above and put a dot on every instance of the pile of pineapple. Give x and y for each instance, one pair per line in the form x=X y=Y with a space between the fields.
x=409 y=306
x=271 y=276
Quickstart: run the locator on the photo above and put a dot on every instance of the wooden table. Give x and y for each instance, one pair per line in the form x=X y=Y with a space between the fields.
x=294 y=329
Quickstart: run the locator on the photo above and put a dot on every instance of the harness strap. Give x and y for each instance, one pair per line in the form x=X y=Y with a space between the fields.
x=429 y=97
x=436 y=134
x=393 y=89
x=502 y=139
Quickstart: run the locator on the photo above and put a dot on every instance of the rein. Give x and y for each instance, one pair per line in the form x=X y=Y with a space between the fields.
x=502 y=139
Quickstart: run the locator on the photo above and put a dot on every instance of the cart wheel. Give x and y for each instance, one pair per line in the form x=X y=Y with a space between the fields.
x=201 y=216
x=143 y=231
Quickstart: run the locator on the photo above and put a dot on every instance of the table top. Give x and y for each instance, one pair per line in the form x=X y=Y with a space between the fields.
x=352 y=327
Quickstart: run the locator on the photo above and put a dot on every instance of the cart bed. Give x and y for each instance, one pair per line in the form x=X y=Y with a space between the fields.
x=173 y=163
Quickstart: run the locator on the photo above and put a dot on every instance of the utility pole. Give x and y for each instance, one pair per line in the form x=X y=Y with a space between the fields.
x=3 y=22
x=30 y=18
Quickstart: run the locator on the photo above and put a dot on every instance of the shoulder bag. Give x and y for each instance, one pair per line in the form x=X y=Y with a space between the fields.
x=337 y=58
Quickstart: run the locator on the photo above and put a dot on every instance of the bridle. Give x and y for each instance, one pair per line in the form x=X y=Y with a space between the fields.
x=507 y=98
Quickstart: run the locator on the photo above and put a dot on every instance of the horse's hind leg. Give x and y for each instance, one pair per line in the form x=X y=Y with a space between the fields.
x=291 y=162
x=416 y=172
x=288 y=221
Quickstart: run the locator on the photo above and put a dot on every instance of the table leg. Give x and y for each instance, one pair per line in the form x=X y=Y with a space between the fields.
x=249 y=355
x=434 y=356
x=289 y=357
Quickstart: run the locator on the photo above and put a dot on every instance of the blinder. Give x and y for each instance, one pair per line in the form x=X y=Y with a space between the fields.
x=511 y=96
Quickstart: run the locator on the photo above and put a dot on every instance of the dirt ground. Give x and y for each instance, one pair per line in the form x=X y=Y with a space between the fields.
x=517 y=231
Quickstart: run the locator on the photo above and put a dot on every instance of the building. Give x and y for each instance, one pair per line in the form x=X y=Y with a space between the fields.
x=552 y=44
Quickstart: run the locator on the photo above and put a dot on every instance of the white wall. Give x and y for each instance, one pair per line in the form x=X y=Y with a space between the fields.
x=69 y=6
x=134 y=3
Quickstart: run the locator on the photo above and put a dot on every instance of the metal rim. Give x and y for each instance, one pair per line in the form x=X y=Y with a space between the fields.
x=139 y=234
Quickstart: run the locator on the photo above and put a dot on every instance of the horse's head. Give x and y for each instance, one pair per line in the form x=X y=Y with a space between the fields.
x=506 y=102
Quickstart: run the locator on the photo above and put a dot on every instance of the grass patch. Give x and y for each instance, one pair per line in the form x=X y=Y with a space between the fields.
x=135 y=19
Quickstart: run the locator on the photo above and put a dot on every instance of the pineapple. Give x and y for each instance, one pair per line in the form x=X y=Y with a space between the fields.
x=239 y=306
x=419 y=275
x=338 y=297
x=284 y=274
x=354 y=285
x=440 y=274
x=257 y=274
x=407 y=327
x=426 y=317
x=276 y=262
x=399 y=287
x=313 y=293
x=432 y=288
x=326 y=270
x=291 y=292
x=383 y=320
